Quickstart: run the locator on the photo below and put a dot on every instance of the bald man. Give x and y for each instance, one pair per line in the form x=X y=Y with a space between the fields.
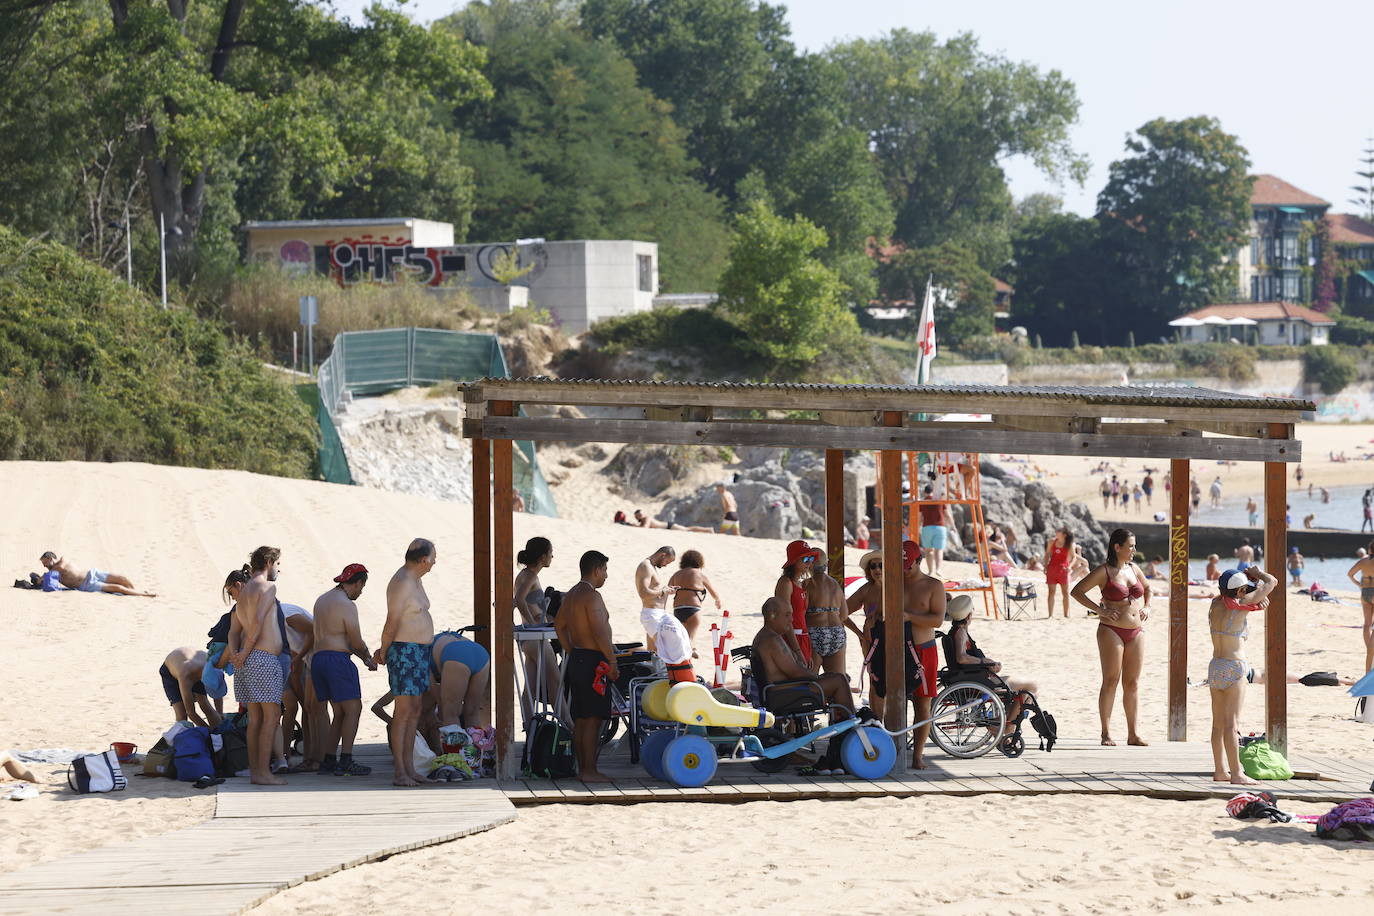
x=404 y=650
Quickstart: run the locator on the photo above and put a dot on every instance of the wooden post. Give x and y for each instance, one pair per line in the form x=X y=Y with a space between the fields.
x=1178 y=599
x=894 y=643
x=834 y=512
x=1276 y=615
x=481 y=541
x=502 y=634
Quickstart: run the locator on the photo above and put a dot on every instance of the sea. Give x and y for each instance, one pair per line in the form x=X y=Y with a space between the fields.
x=1344 y=512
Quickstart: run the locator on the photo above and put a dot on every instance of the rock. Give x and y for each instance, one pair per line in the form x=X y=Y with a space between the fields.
x=452 y=443
x=572 y=461
x=592 y=451
x=765 y=510
x=650 y=469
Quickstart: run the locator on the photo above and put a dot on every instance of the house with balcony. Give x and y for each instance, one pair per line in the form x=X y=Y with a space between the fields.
x=1353 y=239
x=1274 y=266
x=1255 y=323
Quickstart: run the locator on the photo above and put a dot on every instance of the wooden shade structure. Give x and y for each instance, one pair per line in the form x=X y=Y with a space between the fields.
x=1163 y=423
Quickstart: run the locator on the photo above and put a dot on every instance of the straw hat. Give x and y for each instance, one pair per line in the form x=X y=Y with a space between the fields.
x=871 y=557
x=959 y=607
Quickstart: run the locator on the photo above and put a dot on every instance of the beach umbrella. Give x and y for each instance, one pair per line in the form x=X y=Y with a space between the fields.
x=1241 y=321
x=1364 y=687
x=1184 y=322
x=1214 y=319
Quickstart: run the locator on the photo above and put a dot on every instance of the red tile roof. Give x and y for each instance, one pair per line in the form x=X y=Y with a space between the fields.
x=1262 y=311
x=1349 y=229
x=1002 y=286
x=1272 y=191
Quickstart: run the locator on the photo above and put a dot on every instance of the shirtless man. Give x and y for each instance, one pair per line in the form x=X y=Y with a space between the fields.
x=89 y=580
x=405 y=651
x=181 y=672
x=335 y=677
x=584 y=625
x=781 y=662
x=258 y=677
x=652 y=591
x=923 y=608
x=729 y=510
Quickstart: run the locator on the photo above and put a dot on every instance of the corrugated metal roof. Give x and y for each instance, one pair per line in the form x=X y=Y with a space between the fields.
x=1122 y=395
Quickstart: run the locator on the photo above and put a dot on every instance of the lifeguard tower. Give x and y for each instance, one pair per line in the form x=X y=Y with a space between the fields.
x=955 y=480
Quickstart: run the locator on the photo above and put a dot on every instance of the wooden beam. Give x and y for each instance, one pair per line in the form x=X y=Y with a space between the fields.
x=1222 y=427
x=925 y=438
x=1276 y=615
x=847 y=417
x=502 y=634
x=894 y=647
x=1178 y=599
x=481 y=541
x=1049 y=423
x=834 y=513
x=850 y=397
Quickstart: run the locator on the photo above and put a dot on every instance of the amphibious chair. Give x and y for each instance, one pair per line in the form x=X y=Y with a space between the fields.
x=976 y=729
x=794 y=704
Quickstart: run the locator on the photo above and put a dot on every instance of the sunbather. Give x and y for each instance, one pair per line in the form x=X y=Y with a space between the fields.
x=90 y=580
x=16 y=769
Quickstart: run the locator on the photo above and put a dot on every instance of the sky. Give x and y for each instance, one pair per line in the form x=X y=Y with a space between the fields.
x=1290 y=79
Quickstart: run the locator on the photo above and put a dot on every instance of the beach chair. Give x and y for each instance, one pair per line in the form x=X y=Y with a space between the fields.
x=1018 y=597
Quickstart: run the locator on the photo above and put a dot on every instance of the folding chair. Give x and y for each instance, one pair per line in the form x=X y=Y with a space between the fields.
x=1018 y=597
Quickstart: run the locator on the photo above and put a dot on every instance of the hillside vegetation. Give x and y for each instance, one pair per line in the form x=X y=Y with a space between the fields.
x=92 y=370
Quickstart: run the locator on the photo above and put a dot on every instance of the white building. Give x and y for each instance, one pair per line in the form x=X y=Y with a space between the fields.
x=1267 y=323
x=577 y=282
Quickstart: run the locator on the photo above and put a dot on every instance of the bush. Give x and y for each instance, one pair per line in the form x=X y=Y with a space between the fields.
x=669 y=328
x=94 y=371
x=1352 y=330
x=1329 y=367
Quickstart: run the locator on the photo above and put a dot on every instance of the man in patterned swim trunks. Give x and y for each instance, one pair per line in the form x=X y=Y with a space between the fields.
x=90 y=580
x=404 y=650
x=257 y=670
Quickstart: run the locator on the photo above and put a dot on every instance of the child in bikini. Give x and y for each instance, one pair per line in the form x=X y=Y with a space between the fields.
x=1242 y=593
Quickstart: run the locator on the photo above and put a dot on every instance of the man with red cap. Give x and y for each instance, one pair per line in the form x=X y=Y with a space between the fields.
x=923 y=609
x=335 y=677
x=789 y=590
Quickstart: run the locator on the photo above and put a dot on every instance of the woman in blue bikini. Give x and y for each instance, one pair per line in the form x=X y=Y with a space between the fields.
x=1242 y=593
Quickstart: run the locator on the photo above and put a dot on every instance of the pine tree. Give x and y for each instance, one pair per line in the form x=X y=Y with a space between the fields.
x=1365 y=190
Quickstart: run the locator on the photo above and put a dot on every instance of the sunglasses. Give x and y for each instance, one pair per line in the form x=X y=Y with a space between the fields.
x=877 y=565
x=808 y=560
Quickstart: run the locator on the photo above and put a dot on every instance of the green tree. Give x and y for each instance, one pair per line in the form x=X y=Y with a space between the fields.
x=963 y=290
x=786 y=301
x=1364 y=191
x=1062 y=280
x=1173 y=215
x=569 y=146
x=941 y=118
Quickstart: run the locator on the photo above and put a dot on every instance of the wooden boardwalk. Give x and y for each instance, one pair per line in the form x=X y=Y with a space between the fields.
x=260 y=841
x=1162 y=770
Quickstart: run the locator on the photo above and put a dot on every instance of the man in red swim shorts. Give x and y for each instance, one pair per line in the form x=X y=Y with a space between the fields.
x=923 y=609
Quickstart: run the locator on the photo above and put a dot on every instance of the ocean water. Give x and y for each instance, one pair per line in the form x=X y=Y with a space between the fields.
x=1344 y=512
x=1329 y=571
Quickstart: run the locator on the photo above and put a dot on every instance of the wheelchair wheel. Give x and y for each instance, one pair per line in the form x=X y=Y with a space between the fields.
x=970 y=732
x=859 y=763
x=771 y=737
x=608 y=729
x=689 y=761
x=1012 y=745
x=651 y=752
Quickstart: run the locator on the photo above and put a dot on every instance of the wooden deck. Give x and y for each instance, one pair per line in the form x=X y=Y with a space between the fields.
x=260 y=841
x=1163 y=770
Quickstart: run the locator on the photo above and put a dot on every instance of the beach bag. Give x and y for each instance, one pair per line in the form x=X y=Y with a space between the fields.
x=96 y=773
x=548 y=749
x=232 y=757
x=1364 y=710
x=1046 y=728
x=1260 y=761
x=192 y=754
x=554 y=601
x=421 y=756
x=160 y=761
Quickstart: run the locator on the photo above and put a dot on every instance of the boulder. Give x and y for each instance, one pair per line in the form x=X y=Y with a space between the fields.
x=650 y=469
x=1033 y=513
x=765 y=510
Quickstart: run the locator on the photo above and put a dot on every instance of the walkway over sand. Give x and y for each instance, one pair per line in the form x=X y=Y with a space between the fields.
x=261 y=840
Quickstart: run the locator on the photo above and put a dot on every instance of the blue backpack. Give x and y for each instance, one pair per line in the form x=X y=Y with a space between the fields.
x=191 y=753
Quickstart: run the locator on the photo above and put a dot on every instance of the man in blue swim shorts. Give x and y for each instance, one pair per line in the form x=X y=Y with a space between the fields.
x=406 y=637
x=335 y=677
x=90 y=580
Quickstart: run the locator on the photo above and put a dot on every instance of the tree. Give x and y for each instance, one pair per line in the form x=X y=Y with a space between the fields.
x=942 y=117
x=1173 y=215
x=569 y=146
x=786 y=301
x=963 y=290
x=1364 y=191
x=1063 y=283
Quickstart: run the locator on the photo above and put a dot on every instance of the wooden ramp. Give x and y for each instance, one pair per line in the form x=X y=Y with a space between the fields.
x=1163 y=770
x=260 y=841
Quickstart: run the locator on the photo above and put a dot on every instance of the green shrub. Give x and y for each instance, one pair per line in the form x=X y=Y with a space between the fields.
x=1352 y=330
x=91 y=370
x=669 y=328
x=1330 y=367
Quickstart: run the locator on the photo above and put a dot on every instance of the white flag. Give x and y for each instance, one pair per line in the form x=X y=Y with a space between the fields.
x=925 y=336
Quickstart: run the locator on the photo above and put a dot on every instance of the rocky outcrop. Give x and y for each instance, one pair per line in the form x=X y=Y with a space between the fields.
x=1034 y=513
x=649 y=469
x=766 y=510
x=410 y=449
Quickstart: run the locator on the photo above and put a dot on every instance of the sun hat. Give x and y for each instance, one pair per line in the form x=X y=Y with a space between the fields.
x=350 y=571
x=868 y=558
x=796 y=551
x=959 y=607
x=911 y=553
x=1234 y=582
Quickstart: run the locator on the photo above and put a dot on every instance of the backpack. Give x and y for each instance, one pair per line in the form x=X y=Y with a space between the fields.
x=1046 y=728
x=191 y=754
x=1260 y=761
x=548 y=749
x=96 y=773
x=232 y=757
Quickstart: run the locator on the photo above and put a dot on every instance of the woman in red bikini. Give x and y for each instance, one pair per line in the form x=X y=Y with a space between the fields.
x=1062 y=554
x=1125 y=605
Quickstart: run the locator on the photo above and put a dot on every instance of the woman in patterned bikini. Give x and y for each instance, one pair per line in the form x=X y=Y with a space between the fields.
x=1242 y=593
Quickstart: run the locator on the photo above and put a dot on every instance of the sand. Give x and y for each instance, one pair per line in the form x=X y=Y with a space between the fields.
x=81 y=671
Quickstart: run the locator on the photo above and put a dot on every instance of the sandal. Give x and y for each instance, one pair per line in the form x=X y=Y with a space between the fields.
x=354 y=768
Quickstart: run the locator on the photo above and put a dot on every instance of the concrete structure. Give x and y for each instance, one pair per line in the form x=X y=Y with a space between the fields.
x=1273 y=323
x=578 y=282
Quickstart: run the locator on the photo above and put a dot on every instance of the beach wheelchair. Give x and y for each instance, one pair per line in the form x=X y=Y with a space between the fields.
x=702 y=732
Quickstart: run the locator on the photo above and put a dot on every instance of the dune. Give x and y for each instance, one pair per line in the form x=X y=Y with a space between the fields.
x=81 y=671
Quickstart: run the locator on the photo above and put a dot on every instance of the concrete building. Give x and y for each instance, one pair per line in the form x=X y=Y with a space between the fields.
x=1353 y=239
x=1269 y=323
x=577 y=282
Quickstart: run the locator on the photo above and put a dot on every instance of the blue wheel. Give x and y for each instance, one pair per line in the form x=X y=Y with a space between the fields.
x=689 y=761
x=651 y=751
x=860 y=763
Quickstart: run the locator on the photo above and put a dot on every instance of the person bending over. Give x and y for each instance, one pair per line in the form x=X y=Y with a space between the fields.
x=335 y=678
x=90 y=580
x=404 y=650
x=584 y=626
x=181 y=672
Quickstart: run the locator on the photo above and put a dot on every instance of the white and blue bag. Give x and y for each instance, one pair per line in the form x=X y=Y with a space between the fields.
x=96 y=773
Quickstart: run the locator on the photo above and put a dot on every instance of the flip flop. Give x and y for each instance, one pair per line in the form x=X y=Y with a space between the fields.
x=206 y=782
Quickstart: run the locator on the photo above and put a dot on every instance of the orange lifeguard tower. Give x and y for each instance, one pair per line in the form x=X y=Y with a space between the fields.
x=955 y=481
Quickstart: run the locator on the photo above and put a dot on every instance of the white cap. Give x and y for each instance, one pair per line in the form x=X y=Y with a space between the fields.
x=1234 y=581
x=959 y=607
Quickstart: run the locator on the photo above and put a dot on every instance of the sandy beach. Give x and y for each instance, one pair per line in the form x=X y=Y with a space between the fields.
x=81 y=671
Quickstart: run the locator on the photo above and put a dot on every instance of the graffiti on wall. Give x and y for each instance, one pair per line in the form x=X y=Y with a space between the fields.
x=365 y=259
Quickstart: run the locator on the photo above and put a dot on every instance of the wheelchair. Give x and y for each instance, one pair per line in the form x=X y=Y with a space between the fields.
x=971 y=709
